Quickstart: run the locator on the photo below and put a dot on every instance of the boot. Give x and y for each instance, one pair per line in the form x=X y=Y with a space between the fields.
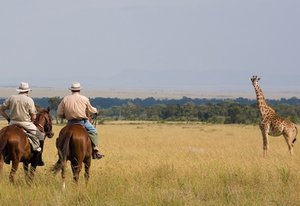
x=40 y=160
x=6 y=160
x=36 y=159
x=96 y=154
x=94 y=139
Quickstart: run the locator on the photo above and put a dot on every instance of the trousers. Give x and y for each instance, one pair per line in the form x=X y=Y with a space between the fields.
x=92 y=131
x=33 y=133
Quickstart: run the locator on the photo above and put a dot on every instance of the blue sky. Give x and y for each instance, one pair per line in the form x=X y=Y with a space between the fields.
x=151 y=44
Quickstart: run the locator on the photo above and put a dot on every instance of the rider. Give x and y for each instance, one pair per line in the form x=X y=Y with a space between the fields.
x=22 y=112
x=76 y=108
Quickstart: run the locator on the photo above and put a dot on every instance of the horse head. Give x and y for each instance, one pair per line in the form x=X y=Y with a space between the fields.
x=43 y=122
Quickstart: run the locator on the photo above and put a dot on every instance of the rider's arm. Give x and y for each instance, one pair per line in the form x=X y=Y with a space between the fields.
x=91 y=109
x=60 y=110
x=32 y=109
x=33 y=117
x=3 y=107
x=3 y=113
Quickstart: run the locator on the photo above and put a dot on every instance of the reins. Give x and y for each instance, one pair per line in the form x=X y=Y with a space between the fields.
x=94 y=119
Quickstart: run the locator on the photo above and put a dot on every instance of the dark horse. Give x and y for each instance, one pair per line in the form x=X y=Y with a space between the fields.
x=74 y=144
x=15 y=146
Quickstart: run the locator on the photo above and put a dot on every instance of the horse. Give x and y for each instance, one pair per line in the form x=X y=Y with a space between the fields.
x=73 y=144
x=15 y=146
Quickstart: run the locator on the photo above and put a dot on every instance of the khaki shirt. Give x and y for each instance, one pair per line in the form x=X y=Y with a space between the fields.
x=20 y=106
x=75 y=106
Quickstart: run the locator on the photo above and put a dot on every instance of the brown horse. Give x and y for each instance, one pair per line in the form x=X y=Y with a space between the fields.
x=15 y=146
x=74 y=144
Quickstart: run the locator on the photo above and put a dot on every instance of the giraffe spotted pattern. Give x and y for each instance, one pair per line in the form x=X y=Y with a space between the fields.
x=271 y=123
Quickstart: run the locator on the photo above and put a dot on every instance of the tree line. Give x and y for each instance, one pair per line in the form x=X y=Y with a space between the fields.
x=221 y=111
x=227 y=112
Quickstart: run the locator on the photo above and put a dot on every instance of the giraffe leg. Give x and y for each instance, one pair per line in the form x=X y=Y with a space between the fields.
x=290 y=134
x=264 y=132
x=265 y=144
x=289 y=141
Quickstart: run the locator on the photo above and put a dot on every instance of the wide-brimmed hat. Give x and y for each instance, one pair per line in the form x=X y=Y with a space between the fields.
x=24 y=87
x=75 y=86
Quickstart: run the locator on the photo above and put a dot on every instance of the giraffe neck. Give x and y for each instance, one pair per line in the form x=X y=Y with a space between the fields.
x=264 y=109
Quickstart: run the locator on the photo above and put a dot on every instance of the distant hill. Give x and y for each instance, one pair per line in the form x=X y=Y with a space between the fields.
x=40 y=92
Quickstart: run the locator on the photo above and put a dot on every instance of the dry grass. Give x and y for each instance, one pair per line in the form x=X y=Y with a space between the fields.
x=169 y=164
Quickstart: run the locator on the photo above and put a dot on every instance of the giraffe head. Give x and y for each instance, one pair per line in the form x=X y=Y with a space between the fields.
x=255 y=80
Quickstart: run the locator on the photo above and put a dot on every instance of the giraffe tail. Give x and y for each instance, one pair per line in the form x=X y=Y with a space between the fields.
x=295 y=135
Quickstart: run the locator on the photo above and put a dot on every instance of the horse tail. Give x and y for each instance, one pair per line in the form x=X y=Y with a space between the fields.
x=3 y=139
x=62 y=144
x=65 y=150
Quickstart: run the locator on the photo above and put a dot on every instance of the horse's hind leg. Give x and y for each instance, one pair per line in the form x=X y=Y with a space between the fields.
x=87 y=165
x=63 y=174
x=55 y=169
x=26 y=168
x=14 y=168
x=32 y=171
x=76 y=168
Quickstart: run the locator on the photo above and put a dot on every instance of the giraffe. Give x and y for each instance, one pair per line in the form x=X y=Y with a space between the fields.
x=271 y=123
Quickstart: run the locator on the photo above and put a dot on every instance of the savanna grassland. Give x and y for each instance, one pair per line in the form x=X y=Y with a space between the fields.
x=169 y=164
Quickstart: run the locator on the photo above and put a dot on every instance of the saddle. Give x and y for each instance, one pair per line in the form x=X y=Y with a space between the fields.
x=77 y=122
x=28 y=134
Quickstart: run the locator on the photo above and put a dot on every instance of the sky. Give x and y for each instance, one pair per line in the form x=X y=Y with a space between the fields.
x=208 y=45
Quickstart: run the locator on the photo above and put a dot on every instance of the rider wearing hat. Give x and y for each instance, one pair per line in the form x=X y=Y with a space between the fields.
x=22 y=112
x=76 y=108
